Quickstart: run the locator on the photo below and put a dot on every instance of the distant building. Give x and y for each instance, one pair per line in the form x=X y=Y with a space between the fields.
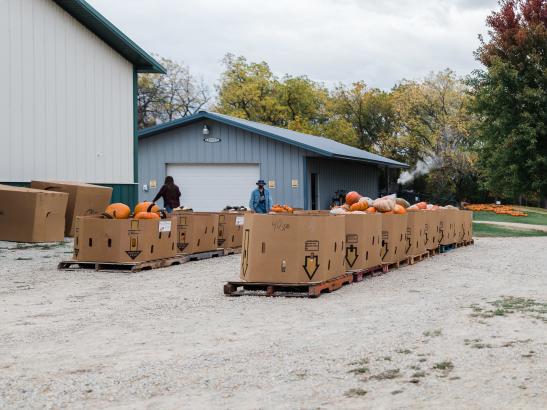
x=69 y=84
x=217 y=159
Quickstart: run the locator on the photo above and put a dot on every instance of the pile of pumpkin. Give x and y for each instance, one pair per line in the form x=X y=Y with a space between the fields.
x=281 y=209
x=498 y=209
x=390 y=204
x=143 y=210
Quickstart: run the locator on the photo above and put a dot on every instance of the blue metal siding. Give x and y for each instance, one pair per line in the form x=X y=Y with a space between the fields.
x=278 y=161
x=334 y=175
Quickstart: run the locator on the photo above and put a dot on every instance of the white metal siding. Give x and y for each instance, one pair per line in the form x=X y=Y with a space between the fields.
x=66 y=110
x=210 y=187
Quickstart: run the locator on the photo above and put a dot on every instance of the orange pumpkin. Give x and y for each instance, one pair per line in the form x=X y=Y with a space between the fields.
x=146 y=207
x=147 y=215
x=352 y=197
x=399 y=209
x=118 y=211
x=358 y=206
x=371 y=210
x=413 y=208
x=389 y=213
x=422 y=205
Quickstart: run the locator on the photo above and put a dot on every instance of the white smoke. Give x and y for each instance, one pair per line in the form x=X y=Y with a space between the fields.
x=421 y=168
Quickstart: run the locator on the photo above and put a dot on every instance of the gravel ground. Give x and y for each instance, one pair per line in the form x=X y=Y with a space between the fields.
x=424 y=336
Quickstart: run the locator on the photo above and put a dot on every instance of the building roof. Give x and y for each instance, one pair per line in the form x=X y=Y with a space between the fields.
x=111 y=35
x=320 y=145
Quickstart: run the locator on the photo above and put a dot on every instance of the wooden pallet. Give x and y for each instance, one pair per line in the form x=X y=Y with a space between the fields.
x=120 y=267
x=447 y=248
x=417 y=258
x=231 y=251
x=360 y=274
x=310 y=290
x=191 y=257
x=433 y=252
x=469 y=242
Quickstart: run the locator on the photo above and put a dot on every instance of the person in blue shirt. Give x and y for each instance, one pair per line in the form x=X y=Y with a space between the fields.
x=261 y=200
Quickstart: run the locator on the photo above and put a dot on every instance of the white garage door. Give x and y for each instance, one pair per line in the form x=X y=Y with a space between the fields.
x=210 y=187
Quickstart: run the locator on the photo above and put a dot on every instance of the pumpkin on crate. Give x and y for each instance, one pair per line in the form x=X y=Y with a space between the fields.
x=352 y=197
x=147 y=215
x=117 y=211
x=371 y=210
x=384 y=204
x=399 y=209
x=146 y=207
x=358 y=206
x=403 y=202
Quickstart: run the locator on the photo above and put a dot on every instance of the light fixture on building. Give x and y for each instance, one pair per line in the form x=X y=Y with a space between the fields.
x=205 y=130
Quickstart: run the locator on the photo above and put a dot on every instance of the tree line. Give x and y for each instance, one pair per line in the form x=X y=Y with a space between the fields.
x=480 y=137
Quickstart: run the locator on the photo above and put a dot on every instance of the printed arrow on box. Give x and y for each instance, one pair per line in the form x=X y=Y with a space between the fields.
x=311 y=264
x=351 y=255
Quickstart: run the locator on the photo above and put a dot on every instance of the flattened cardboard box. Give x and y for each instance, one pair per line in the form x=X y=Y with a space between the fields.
x=98 y=239
x=447 y=226
x=363 y=243
x=83 y=199
x=289 y=248
x=415 y=233
x=196 y=231
x=393 y=238
x=32 y=215
x=432 y=231
x=230 y=229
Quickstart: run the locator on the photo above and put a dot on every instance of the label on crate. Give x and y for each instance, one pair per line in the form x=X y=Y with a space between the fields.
x=240 y=220
x=164 y=226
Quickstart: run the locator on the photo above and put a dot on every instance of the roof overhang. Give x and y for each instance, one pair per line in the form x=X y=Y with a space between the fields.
x=202 y=115
x=111 y=35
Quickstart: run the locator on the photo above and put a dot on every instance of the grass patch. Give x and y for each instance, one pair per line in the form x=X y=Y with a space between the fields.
x=418 y=374
x=485 y=230
x=433 y=333
x=446 y=365
x=387 y=375
x=42 y=246
x=510 y=304
x=359 y=362
x=355 y=393
x=404 y=351
x=394 y=392
x=533 y=218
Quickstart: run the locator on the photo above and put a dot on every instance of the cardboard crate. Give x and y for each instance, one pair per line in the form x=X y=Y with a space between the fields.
x=196 y=231
x=230 y=230
x=289 y=248
x=363 y=240
x=83 y=199
x=32 y=215
x=468 y=225
x=415 y=233
x=393 y=238
x=99 y=239
x=432 y=229
x=447 y=226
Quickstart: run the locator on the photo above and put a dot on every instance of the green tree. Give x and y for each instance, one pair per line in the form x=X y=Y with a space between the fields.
x=368 y=112
x=434 y=135
x=511 y=100
x=163 y=98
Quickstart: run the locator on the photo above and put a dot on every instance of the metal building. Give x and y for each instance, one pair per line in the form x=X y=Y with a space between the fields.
x=69 y=84
x=217 y=159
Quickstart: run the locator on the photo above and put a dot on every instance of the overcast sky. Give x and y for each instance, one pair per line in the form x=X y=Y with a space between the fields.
x=378 y=41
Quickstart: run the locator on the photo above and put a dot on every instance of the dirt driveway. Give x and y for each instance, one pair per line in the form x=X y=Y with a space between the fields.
x=466 y=329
